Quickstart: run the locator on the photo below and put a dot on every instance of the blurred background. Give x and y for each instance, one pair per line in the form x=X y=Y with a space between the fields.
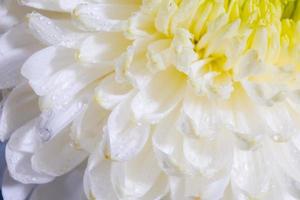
x=2 y=165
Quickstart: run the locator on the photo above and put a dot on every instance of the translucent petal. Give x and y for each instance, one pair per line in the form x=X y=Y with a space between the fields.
x=109 y=17
x=109 y=93
x=58 y=156
x=20 y=168
x=11 y=189
x=160 y=96
x=67 y=187
x=97 y=180
x=125 y=137
x=20 y=106
x=129 y=178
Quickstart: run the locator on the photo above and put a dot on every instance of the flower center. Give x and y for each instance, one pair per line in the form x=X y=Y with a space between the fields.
x=223 y=45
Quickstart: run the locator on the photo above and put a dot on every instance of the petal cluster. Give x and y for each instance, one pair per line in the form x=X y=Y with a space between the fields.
x=152 y=99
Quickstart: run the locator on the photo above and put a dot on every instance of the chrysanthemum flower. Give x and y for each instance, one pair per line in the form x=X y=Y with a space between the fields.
x=152 y=99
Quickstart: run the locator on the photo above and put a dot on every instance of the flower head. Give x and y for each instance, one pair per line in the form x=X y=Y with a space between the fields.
x=152 y=99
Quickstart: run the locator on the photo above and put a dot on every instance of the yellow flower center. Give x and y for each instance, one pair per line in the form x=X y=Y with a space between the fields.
x=222 y=45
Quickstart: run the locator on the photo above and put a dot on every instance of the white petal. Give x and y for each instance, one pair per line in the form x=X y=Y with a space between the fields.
x=97 y=180
x=207 y=116
x=248 y=65
x=67 y=187
x=53 y=32
x=263 y=93
x=19 y=166
x=159 y=189
x=20 y=106
x=58 y=156
x=103 y=17
x=52 y=59
x=16 y=46
x=286 y=156
x=13 y=190
x=125 y=137
x=69 y=82
x=168 y=145
x=206 y=189
x=248 y=124
x=252 y=172
x=129 y=178
x=282 y=121
x=210 y=156
x=160 y=96
x=109 y=93
x=102 y=48
x=52 y=121
x=26 y=138
x=52 y=5
x=87 y=128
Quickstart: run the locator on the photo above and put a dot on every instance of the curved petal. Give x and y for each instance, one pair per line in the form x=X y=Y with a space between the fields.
x=26 y=138
x=104 y=16
x=109 y=93
x=62 y=78
x=286 y=156
x=58 y=156
x=206 y=188
x=16 y=46
x=168 y=147
x=52 y=5
x=102 y=48
x=211 y=156
x=159 y=189
x=282 y=121
x=252 y=172
x=52 y=59
x=20 y=106
x=67 y=187
x=20 y=168
x=52 y=121
x=160 y=96
x=248 y=124
x=87 y=128
x=207 y=116
x=129 y=178
x=54 y=31
x=12 y=189
x=125 y=137
x=97 y=181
